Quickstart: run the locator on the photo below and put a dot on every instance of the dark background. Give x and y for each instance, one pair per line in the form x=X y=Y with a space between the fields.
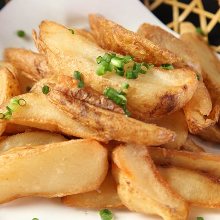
x=164 y=13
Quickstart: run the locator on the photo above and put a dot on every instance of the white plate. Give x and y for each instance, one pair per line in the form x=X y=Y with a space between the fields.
x=26 y=15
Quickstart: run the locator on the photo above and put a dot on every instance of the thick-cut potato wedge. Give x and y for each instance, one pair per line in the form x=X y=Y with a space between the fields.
x=53 y=170
x=167 y=41
x=86 y=34
x=40 y=113
x=146 y=97
x=104 y=197
x=30 y=139
x=203 y=162
x=199 y=112
x=195 y=187
x=114 y=37
x=24 y=82
x=140 y=186
x=211 y=133
x=175 y=122
x=32 y=65
x=191 y=145
x=114 y=126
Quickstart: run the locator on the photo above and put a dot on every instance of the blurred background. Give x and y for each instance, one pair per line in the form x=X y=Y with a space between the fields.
x=204 y=14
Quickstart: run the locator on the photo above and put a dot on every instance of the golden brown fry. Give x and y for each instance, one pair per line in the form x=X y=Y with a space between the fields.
x=146 y=97
x=191 y=145
x=199 y=111
x=52 y=170
x=40 y=113
x=114 y=37
x=30 y=139
x=32 y=65
x=211 y=133
x=140 y=186
x=175 y=122
x=110 y=123
x=104 y=197
x=15 y=129
x=199 y=189
x=86 y=34
x=203 y=162
x=167 y=41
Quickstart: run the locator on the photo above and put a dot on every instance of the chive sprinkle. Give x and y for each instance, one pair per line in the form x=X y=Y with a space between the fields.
x=71 y=30
x=21 y=33
x=106 y=214
x=45 y=89
x=78 y=76
x=35 y=219
x=197 y=76
x=200 y=31
x=125 y=86
x=167 y=66
x=199 y=218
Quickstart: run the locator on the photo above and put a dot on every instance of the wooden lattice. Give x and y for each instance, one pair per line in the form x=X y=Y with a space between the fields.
x=196 y=7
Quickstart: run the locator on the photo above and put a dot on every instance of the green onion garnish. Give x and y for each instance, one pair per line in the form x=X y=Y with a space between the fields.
x=199 y=218
x=125 y=86
x=200 y=31
x=71 y=30
x=78 y=76
x=167 y=66
x=117 y=97
x=45 y=89
x=12 y=107
x=106 y=214
x=197 y=76
x=35 y=219
x=21 y=33
x=148 y=65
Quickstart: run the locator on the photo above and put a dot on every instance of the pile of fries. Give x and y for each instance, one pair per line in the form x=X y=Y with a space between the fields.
x=103 y=119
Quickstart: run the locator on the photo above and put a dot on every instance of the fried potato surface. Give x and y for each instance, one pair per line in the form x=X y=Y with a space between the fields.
x=199 y=189
x=140 y=186
x=12 y=129
x=167 y=41
x=191 y=145
x=110 y=123
x=32 y=65
x=40 y=113
x=52 y=170
x=30 y=139
x=104 y=197
x=146 y=97
x=114 y=37
x=175 y=122
x=203 y=162
x=211 y=133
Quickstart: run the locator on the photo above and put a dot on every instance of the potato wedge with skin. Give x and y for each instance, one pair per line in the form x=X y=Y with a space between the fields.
x=167 y=41
x=191 y=145
x=175 y=122
x=196 y=188
x=114 y=126
x=200 y=161
x=114 y=37
x=104 y=197
x=30 y=139
x=40 y=113
x=52 y=170
x=33 y=65
x=146 y=98
x=140 y=186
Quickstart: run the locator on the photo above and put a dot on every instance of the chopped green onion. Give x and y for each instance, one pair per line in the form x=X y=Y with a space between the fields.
x=78 y=76
x=167 y=66
x=127 y=59
x=35 y=219
x=45 y=89
x=117 y=97
x=2 y=115
x=106 y=214
x=71 y=30
x=125 y=86
x=130 y=74
x=99 y=59
x=21 y=33
x=200 y=31
x=148 y=65
x=21 y=102
x=199 y=218
x=117 y=62
x=120 y=72
x=197 y=76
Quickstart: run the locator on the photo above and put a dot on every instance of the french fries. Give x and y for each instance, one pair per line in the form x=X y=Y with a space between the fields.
x=114 y=37
x=104 y=197
x=191 y=145
x=197 y=188
x=29 y=139
x=52 y=170
x=32 y=65
x=140 y=186
x=211 y=133
x=77 y=53
x=40 y=113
